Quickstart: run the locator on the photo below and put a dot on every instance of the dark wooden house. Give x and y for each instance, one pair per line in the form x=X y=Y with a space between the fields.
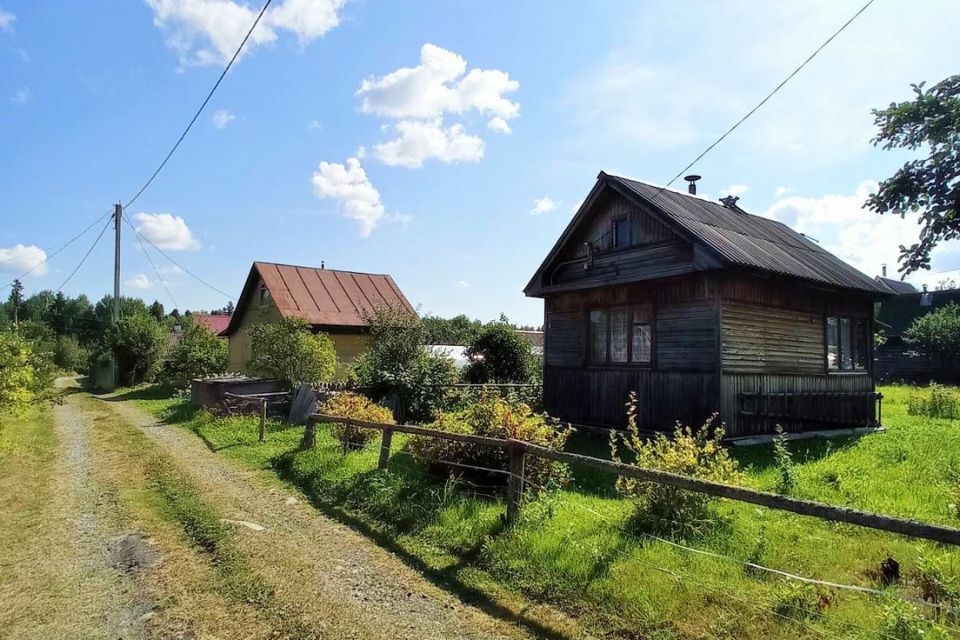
x=701 y=308
x=896 y=359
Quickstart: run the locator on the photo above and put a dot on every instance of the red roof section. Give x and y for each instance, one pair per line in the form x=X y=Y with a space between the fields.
x=325 y=297
x=216 y=323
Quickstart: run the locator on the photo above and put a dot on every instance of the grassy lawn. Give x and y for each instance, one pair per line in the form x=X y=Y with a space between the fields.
x=572 y=551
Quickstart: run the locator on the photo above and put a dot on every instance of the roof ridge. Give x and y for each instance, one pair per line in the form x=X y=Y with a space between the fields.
x=303 y=266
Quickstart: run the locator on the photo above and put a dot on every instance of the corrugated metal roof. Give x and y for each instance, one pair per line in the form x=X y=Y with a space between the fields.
x=896 y=286
x=212 y=321
x=750 y=241
x=324 y=297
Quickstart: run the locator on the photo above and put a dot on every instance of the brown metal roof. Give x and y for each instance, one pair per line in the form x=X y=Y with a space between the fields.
x=324 y=297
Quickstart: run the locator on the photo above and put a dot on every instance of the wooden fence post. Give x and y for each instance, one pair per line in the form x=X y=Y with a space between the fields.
x=309 y=435
x=263 y=420
x=385 y=448
x=517 y=459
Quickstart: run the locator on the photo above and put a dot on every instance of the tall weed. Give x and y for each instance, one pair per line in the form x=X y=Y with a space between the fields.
x=936 y=401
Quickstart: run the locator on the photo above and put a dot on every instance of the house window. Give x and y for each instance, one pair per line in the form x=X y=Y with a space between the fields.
x=264 y=295
x=847 y=348
x=623 y=335
x=621 y=233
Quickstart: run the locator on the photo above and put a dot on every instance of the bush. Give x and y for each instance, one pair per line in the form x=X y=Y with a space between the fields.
x=663 y=509
x=138 y=343
x=496 y=417
x=70 y=355
x=358 y=407
x=938 y=402
x=500 y=354
x=783 y=460
x=17 y=374
x=398 y=364
x=198 y=353
x=289 y=351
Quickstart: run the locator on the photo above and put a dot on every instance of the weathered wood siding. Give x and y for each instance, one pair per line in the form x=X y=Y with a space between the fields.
x=644 y=229
x=759 y=339
x=679 y=384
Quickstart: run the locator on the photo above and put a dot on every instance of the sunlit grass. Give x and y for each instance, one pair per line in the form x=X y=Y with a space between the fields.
x=572 y=549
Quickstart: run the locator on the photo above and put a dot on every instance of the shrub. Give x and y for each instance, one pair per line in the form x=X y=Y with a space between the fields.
x=663 y=509
x=937 y=333
x=17 y=375
x=138 y=343
x=783 y=460
x=70 y=355
x=496 y=417
x=198 y=353
x=289 y=351
x=905 y=621
x=359 y=407
x=937 y=402
x=398 y=364
x=500 y=354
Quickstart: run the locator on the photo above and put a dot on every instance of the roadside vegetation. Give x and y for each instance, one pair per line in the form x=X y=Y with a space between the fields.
x=583 y=550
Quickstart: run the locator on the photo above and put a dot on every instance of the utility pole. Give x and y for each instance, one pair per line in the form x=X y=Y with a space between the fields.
x=117 y=217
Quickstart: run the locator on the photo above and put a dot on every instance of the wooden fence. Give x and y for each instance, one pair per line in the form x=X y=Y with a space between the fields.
x=518 y=450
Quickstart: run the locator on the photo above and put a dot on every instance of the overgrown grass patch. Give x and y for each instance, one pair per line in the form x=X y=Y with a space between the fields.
x=571 y=549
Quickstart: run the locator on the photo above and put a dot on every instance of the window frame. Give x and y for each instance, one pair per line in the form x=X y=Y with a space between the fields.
x=851 y=343
x=616 y=242
x=639 y=315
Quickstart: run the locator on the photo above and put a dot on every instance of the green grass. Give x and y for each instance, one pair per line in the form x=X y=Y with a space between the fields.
x=570 y=549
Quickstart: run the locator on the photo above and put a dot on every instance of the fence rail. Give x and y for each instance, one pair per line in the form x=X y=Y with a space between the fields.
x=519 y=449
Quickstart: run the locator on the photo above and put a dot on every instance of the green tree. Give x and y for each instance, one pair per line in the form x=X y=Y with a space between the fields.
x=398 y=365
x=197 y=353
x=156 y=310
x=937 y=333
x=16 y=300
x=458 y=330
x=930 y=185
x=138 y=343
x=289 y=351
x=17 y=375
x=69 y=355
x=500 y=354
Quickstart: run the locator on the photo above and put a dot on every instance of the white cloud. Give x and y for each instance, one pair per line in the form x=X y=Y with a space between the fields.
x=22 y=97
x=421 y=140
x=20 y=258
x=779 y=192
x=209 y=31
x=463 y=284
x=864 y=239
x=361 y=152
x=643 y=96
x=166 y=231
x=313 y=125
x=139 y=281
x=735 y=190
x=499 y=125
x=349 y=185
x=222 y=117
x=419 y=99
x=172 y=269
x=543 y=205
x=6 y=21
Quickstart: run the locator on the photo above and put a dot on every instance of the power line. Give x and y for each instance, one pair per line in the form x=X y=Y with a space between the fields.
x=177 y=264
x=155 y=270
x=764 y=101
x=202 y=107
x=84 y=258
x=62 y=247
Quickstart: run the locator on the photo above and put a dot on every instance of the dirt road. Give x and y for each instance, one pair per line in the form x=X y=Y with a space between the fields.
x=126 y=569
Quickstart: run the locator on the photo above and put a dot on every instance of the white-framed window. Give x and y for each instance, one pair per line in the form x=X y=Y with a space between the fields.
x=621 y=335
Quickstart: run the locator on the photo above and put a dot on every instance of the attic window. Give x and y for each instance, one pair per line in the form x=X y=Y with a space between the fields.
x=264 y=295
x=621 y=233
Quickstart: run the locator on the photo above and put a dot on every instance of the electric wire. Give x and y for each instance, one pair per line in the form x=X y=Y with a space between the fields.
x=60 y=249
x=200 y=110
x=177 y=264
x=84 y=258
x=156 y=271
x=765 y=99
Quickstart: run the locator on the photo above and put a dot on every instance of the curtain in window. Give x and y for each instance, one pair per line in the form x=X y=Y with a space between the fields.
x=619 y=330
x=846 y=353
x=598 y=335
x=833 y=343
x=642 y=341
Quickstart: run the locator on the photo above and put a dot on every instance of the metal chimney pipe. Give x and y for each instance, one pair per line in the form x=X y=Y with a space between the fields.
x=692 y=187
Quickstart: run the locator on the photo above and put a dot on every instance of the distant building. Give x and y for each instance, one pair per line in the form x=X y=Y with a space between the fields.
x=897 y=360
x=333 y=302
x=214 y=322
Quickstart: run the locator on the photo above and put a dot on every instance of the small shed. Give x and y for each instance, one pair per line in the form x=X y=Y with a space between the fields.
x=699 y=308
x=332 y=301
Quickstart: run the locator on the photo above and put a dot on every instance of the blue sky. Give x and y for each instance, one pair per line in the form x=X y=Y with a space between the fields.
x=445 y=143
